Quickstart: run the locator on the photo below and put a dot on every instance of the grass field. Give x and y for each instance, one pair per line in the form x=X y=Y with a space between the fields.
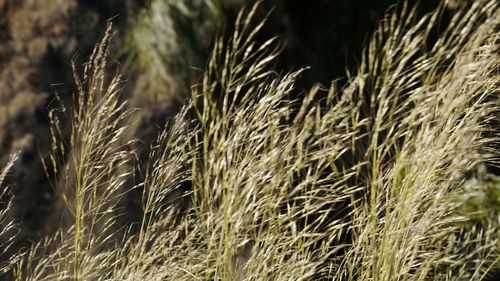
x=389 y=177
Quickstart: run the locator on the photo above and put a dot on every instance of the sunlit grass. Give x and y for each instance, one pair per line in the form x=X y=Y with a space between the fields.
x=383 y=179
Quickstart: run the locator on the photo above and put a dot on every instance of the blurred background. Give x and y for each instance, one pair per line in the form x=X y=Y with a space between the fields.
x=160 y=47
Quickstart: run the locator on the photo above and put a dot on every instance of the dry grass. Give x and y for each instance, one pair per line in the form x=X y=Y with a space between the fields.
x=383 y=179
x=7 y=224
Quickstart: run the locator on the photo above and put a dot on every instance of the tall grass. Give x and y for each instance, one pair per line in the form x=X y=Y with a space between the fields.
x=383 y=179
x=7 y=223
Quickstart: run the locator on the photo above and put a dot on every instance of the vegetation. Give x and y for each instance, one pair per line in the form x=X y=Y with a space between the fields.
x=385 y=178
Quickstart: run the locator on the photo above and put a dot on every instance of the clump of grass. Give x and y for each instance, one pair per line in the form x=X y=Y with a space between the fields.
x=164 y=45
x=379 y=180
x=88 y=170
x=7 y=224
